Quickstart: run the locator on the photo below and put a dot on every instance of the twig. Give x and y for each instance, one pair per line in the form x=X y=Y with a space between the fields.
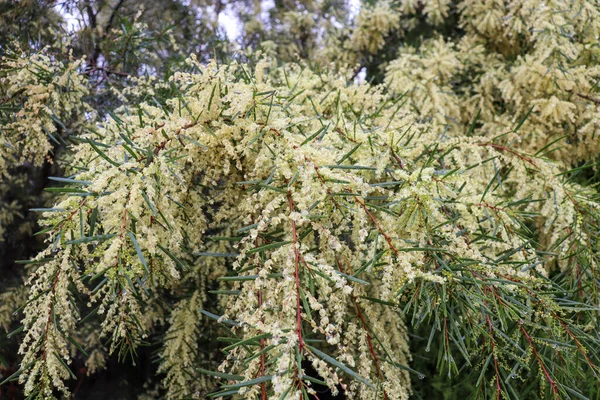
x=385 y=235
x=509 y=150
x=592 y=99
x=296 y=277
x=367 y=334
x=539 y=360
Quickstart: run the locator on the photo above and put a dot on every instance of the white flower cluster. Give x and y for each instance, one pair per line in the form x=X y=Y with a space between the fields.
x=330 y=207
x=48 y=95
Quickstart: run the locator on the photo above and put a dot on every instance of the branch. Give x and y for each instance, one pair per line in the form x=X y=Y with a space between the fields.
x=509 y=150
x=592 y=99
x=539 y=360
x=94 y=24
x=385 y=235
x=367 y=334
x=9 y=98
x=296 y=277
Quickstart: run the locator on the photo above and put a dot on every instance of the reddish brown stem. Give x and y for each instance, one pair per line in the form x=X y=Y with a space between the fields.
x=259 y=295
x=50 y=309
x=263 y=387
x=367 y=334
x=122 y=231
x=398 y=159
x=296 y=277
x=566 y=328
x=508 y=150
x=385 y=235
x=491 y=328
x=539 y=360
x=341 y=132
x=590 y=98
x=71 y=214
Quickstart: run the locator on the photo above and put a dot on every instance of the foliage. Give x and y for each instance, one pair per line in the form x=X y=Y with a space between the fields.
x=539 y=66
x=270 y=226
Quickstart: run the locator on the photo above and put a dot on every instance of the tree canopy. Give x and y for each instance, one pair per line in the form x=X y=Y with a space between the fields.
x=384 y=200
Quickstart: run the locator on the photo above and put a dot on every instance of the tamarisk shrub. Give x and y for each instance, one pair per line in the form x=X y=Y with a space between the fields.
x=275 y=216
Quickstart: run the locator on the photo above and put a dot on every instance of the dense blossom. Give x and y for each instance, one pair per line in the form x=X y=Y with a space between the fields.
x=328 y=214
x=523 y=63
x=274 y=227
